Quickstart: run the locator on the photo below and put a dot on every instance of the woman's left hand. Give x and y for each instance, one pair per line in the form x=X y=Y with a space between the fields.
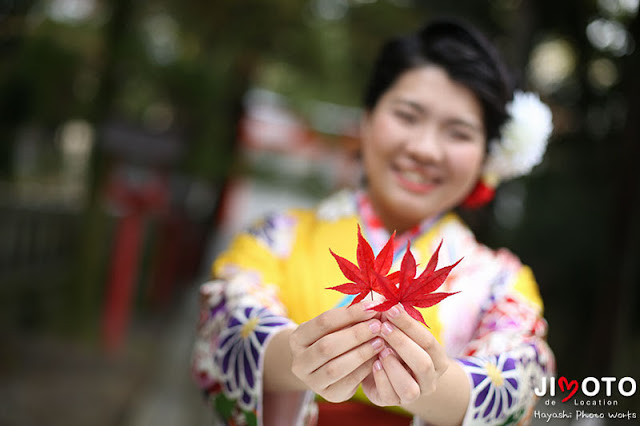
x=411 y=364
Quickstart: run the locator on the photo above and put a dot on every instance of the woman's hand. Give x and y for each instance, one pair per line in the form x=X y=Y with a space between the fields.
x=335 y=351
x=411 y=366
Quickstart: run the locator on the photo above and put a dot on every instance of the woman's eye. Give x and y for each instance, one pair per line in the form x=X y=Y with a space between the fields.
x=460 y=136
x=407 y=117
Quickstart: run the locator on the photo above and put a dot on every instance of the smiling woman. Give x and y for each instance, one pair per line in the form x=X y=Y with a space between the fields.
x=272 y=337
x=423 y=147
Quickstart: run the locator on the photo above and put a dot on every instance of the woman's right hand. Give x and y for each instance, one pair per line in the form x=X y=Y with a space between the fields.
x=333 y=352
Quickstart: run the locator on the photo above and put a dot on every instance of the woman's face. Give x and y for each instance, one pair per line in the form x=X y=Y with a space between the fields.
x=423 y=146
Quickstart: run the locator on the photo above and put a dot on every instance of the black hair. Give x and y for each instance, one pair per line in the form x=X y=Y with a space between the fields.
x=467 y=56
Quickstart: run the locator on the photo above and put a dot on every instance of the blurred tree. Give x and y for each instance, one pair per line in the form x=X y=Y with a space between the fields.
x=617 y=299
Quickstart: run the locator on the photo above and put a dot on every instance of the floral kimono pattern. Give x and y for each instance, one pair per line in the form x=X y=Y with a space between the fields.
x=275 y=275
x=237 y=317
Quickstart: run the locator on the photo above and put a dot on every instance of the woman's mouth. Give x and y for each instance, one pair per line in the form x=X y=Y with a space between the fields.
x=414 y=181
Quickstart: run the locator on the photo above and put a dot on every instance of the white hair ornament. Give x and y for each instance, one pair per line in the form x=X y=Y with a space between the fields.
x=522 y=145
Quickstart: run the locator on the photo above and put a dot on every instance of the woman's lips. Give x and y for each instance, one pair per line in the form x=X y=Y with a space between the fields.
x=415 y=182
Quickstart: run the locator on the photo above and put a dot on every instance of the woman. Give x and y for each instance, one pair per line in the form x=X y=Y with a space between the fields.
x=440 y=130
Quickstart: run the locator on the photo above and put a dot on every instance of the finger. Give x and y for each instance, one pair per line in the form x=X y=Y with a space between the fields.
x=330 y=321
x=346 y=387
x=415 y=357
x=343 y=365
x=421 y=335
x=338 y=343
x=385 y=393
x=402 y=382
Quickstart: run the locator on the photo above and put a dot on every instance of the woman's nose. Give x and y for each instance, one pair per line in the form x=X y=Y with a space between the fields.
x=425 y=145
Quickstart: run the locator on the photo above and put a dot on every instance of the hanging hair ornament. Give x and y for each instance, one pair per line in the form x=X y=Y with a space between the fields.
x=522 y=145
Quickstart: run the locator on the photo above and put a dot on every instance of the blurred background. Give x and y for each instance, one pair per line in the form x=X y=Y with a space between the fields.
x=138 y=136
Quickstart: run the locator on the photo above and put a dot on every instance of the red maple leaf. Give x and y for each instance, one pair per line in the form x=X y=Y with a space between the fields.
x=364 y=277
x=414 y=292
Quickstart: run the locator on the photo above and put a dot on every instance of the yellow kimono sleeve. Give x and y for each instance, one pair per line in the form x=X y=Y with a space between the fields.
x=248 y=253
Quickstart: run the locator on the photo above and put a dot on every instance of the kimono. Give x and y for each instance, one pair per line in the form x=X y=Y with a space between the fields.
x=276 y=273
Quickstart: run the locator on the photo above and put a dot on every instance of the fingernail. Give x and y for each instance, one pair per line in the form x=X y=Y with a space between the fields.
x=386 y=328
x=377 y=366
x=374 y=326
x=393 y=312
x=385 y=353
x=368 y=305
x=377 y=344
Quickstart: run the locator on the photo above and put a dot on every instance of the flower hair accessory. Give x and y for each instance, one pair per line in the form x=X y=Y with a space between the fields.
x=522 y=145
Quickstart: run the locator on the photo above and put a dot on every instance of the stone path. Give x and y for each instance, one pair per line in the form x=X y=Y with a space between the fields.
x=55 y=382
